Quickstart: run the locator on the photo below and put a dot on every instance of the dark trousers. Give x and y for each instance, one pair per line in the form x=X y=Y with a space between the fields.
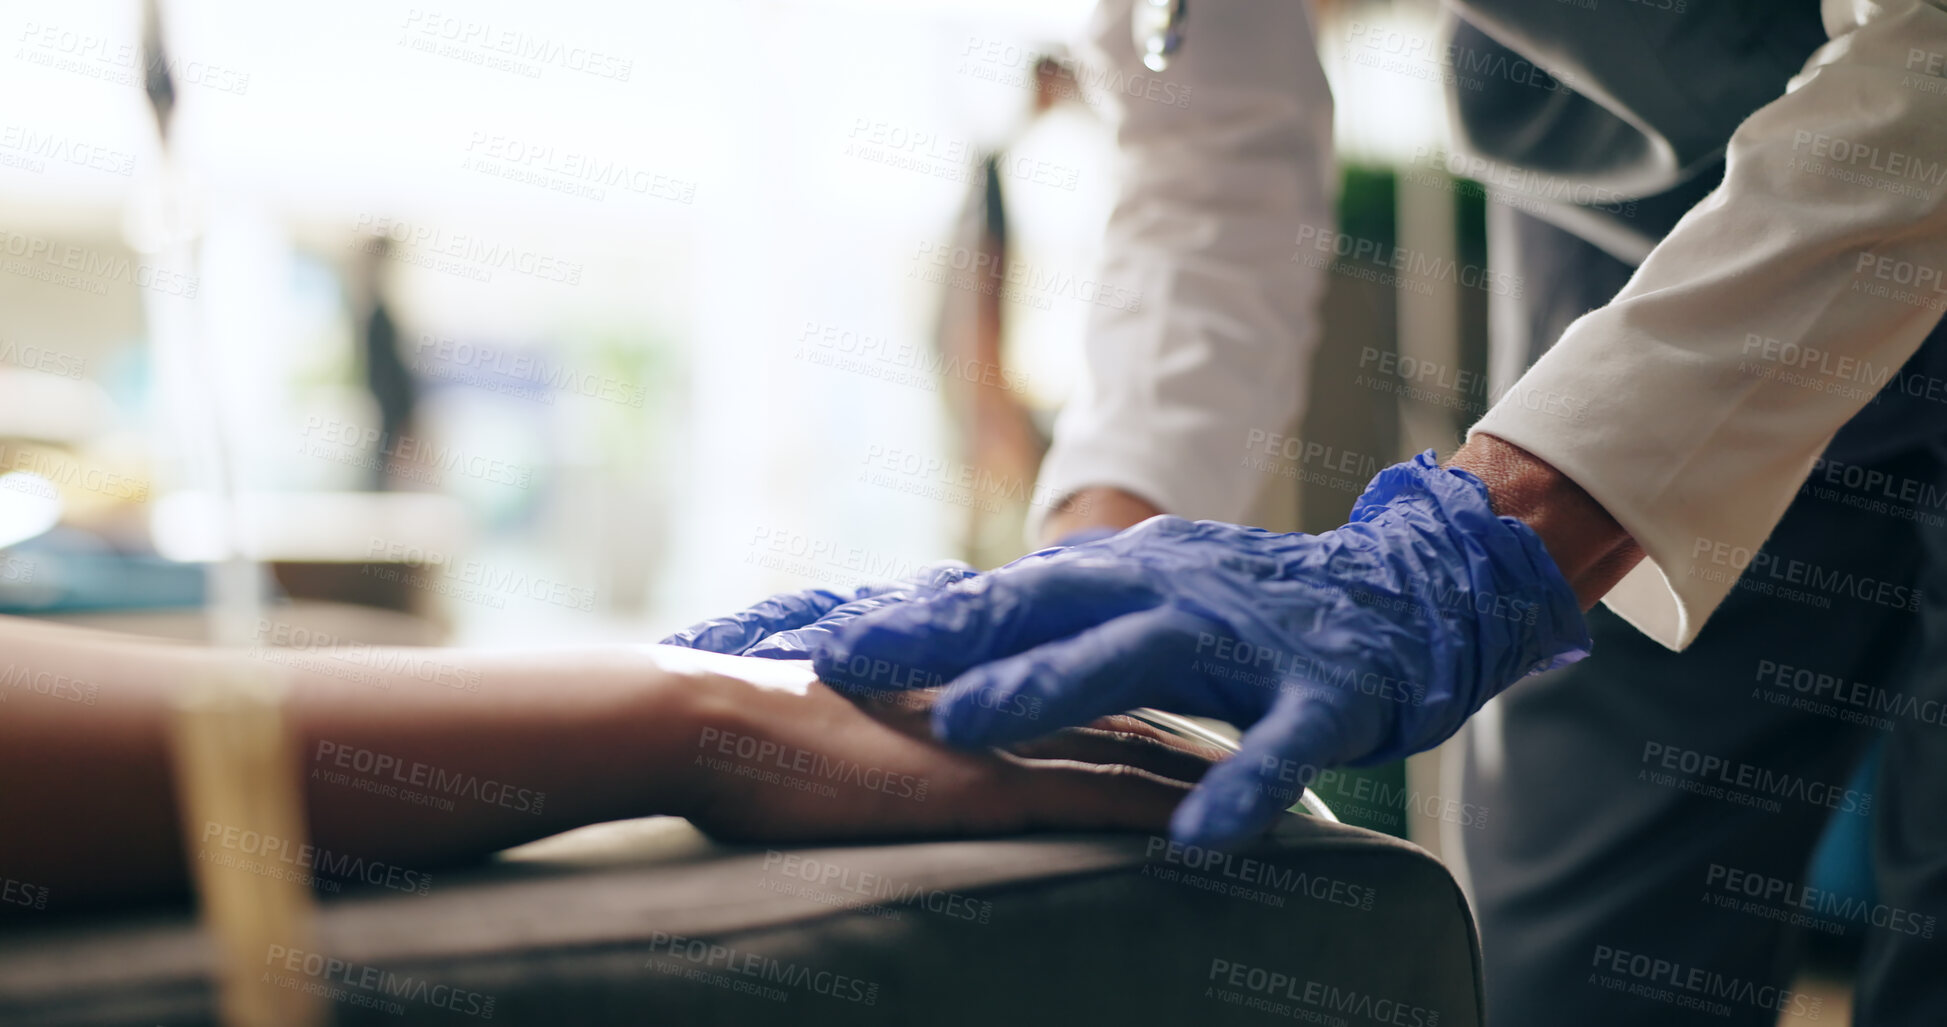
x=1649 y=814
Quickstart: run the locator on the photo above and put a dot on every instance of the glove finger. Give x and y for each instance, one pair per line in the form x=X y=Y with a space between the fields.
x=934 y=639
x=1244 y=794
x=740 y=630
x=1138 y=659
x=798 y=643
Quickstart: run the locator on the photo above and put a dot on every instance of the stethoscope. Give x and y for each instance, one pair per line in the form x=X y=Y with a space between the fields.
x=1157 y=26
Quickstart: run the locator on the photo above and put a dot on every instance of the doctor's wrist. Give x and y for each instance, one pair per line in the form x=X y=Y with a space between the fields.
x=1095 y=507
x=1590 y=548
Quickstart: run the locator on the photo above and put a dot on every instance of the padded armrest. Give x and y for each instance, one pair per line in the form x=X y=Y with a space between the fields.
x=646 y=922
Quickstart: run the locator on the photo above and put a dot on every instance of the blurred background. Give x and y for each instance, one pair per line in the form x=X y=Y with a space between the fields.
x=543 y=325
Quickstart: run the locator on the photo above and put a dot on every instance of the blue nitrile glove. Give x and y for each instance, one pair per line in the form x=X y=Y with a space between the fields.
x=1360 y=645
x=785 y=627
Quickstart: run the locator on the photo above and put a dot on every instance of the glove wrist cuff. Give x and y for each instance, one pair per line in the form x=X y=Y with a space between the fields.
x=1522 y=607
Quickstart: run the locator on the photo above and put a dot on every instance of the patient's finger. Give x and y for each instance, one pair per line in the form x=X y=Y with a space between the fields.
x=1130 y=725
x=1064 y=795
x=1114 y=739
x=1173 y=758
x=1123 y=740
x=1118 y=738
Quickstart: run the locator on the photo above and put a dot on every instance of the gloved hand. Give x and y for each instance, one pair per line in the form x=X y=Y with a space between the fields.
x=787 y=626
x=1360 y=645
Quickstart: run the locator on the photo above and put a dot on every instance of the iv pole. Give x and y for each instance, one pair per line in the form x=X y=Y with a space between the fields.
x=235 y=760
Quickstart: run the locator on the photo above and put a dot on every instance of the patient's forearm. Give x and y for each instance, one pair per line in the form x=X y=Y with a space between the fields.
x=411 y=758
x=511 y=746
x=548 y=741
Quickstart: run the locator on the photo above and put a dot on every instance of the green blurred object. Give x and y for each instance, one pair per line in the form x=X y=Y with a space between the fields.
x=1366 y=202
x=1370 y=797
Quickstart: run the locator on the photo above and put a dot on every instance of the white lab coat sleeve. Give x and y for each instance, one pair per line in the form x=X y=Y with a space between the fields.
x=1694 y=405
x=1225 y=159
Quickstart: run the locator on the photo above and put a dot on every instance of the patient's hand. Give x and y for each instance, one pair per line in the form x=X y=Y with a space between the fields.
x=779 y=765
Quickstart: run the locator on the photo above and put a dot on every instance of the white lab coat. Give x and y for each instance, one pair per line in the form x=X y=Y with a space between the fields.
x=1692 y=406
